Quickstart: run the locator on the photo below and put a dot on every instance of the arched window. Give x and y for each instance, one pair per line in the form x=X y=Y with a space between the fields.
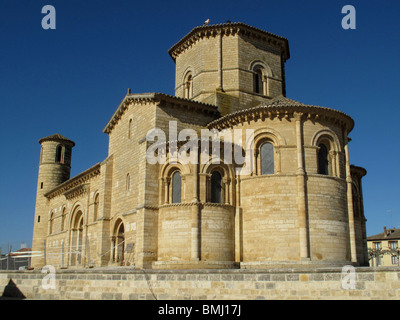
x=63 y=216
x=216 y=187
x=328 y=153
x=188 y=86
x=77 y=237
x=118 y=242
x=257 y=80
x=96 y=207
x=176 y=187
x=59 y=153
x=262 y=74
x=267 y=158
x=323 y=159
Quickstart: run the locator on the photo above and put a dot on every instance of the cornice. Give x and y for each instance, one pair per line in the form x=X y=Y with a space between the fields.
x=188 y=204
x=358 y=171
x=57 y=137
x=229 y=29
x=77 y=191
x=162 y=100
x=76 y=185
x=180 y=204
x=283 y=108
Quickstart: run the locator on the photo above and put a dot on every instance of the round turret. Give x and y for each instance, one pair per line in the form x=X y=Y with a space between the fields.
x=55 y=161
x=54 y=169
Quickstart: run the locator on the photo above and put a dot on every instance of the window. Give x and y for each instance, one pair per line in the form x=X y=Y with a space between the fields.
x=128 y=182
x=267 y=158
x=323 y=160
x=378 y=245
x=216 y=187
x=188 y=86
x=59 y=153
x=257 y=80
x=118 y=244
x=176 y=187
x=96 y=207
x=51 y=223
x=393 y=245
x=395 y=260
x=328 y=154
x=130 y=129
x=63 y=216
x=77 y=237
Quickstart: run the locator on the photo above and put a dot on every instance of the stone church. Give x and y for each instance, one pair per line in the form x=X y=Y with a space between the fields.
x=300 y=204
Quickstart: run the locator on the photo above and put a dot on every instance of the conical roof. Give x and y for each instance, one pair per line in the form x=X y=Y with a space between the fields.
x=199 y=32
x=57 y=137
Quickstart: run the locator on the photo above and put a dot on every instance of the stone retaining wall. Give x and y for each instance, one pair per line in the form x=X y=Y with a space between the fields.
x=124 y=283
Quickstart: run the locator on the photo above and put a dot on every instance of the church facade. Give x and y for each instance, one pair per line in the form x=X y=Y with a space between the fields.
x=294 y=201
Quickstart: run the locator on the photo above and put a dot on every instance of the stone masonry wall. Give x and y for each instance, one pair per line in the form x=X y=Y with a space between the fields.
x=124 y=284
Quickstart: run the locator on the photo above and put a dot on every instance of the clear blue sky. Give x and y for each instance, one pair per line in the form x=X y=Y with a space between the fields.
x=71 y=80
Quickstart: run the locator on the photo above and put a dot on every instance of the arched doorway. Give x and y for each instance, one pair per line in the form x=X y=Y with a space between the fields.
x=118 y=244
x=77 y=238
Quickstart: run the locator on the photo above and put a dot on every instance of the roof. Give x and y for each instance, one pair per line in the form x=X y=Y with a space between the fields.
x=156 y=97
x=57 y=137
x=21 y=251
x=78 y=180
x=393 y=234
x=229 y=28
x=281 y=101
x=283 y=106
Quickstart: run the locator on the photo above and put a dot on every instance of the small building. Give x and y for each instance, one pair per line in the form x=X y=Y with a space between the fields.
x=20 y=259
x=383 y=248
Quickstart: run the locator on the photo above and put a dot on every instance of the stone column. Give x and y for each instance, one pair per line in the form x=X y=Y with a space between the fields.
x=225 y=190
x=167 y=181
x=301 y=191
x=350 y=209
x=196 y=223
x=257 y=165
x=238 y=223
x=265 y=85
x=332 y=160
x=161 y=192
x=228 y=192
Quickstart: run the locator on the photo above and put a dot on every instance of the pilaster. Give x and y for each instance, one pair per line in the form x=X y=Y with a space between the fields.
x=301 y=191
